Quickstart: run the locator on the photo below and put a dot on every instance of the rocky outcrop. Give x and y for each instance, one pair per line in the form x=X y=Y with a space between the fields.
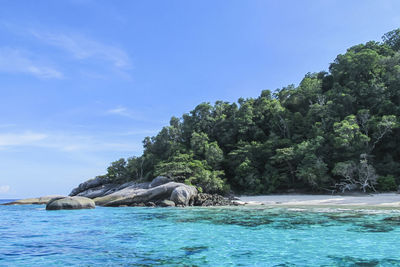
x=37 y=200
x=183 y=195
x=159 y=180
x=94 y=189
x=70 y=203
x=133 y=195
x=90 y=184
x=167 y=203
x=99 y=191
x=147 y=194
x=203 y=199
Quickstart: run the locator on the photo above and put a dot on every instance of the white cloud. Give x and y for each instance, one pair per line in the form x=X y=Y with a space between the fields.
x=122 y=111
x=80 y=143
x=125 y=112
x=16 y=61
x=66 y=142
x=27 y=138
x=4 y=188
x=82 y=47
x=139 y=132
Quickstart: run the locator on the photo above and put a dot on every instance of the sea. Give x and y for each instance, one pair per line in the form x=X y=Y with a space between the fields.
x=198 y=236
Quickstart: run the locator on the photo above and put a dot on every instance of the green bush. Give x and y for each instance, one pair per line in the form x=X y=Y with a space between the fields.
x=386 y=183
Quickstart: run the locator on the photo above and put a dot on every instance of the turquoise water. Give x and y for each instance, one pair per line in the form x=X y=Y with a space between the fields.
x=32 y=236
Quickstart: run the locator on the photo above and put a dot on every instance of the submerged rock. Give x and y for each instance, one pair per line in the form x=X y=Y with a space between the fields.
x=37 y=200
x=70 y=203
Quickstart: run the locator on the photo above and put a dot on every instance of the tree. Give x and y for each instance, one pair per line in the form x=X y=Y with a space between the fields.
x=183 y=168
x=335 y=129
x=392 y=39
x=360 y=176
x=117 y=171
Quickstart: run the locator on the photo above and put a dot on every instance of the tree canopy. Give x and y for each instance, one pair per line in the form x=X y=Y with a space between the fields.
x=337 y=130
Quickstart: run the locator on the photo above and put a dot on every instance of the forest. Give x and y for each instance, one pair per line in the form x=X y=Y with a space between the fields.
x=336 y=131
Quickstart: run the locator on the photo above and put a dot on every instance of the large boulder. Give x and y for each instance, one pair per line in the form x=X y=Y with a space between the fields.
x=129 y=196
x=108 y=189
x=98 y=181
x=122 y=192
x=167 y=203
x=36 y=200
x=70 y=203
x=133 y=195
x=159 y=180
x=183 y=195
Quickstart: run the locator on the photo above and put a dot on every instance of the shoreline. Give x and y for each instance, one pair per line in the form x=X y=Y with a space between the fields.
x=381 y=200
x=355 y=201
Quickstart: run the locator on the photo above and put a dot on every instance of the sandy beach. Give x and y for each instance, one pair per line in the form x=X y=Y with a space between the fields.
x=384 y=200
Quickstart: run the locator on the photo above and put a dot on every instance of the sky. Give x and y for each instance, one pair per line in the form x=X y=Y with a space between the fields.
x=83 y=82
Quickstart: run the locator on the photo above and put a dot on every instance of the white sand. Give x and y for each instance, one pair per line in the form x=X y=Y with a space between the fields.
x=376 y=200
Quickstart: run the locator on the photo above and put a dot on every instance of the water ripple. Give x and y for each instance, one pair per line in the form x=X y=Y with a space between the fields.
x=30 y=236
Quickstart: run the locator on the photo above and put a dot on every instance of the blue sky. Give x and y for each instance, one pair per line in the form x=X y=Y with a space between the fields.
x=83 y=82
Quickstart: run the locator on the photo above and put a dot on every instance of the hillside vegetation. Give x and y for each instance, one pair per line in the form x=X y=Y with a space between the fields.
x=337 y=130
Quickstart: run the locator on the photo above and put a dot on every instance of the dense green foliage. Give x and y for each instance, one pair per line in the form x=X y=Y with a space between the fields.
x=336 y=130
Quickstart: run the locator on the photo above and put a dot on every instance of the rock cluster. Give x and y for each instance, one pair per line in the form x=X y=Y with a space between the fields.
x=160 y=192
x=203 y=199
x=157 y=193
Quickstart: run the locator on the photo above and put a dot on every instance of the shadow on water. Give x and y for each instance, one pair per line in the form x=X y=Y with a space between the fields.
x=348 y=261
x=194 y=250
x=284 y=219
x=255 y=218
x=372 y=227
x=387 y=224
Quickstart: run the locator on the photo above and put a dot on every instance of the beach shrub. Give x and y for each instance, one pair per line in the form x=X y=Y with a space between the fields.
x=184 y=168
x=387 y=183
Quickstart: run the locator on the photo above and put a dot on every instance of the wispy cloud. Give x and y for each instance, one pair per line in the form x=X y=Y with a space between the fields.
x=81 y=47
x=4 y=189
x=139 y=132
x=82 y=143
x=27 y=138
x=17 y=61
x=124 y=112
x=66 y=142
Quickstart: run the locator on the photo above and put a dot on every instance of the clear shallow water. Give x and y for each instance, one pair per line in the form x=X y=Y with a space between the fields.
x=32 y=236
